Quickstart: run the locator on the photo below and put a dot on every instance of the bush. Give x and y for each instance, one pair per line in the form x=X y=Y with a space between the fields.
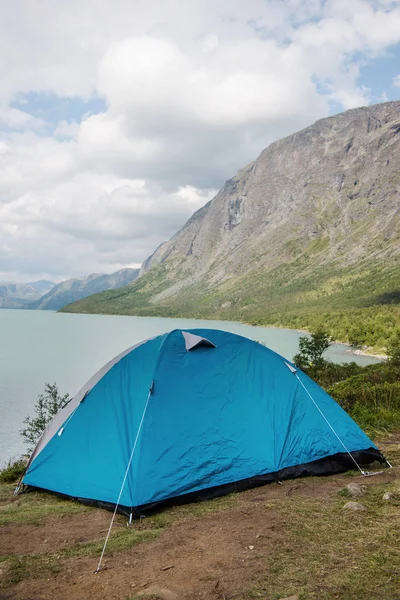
x=13 y=470
x=329 y=374
x=372 y=398
x=311 y=349
x=370 y=394
x=48 y=404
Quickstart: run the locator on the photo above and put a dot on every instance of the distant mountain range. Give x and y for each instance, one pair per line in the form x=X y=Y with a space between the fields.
x=312 y=226
x=46 y=295
x=16 y=295
x=74 y=289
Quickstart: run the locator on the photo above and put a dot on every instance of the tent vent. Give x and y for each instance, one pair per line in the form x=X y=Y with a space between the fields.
x=193 y=341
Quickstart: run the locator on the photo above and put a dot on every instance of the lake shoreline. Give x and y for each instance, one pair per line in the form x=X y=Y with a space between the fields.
x=367 y=351
x=352 y=349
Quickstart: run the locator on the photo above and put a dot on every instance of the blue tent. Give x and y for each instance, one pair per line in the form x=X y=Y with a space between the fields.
x=190 y=415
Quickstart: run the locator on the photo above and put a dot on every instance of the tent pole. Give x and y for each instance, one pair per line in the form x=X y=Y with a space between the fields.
x=124 y=480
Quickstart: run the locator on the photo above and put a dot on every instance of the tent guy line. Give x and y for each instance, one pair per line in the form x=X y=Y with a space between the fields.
x=124 y=480
x=318 y=408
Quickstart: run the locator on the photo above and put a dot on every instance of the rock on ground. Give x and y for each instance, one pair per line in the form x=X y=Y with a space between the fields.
x=354 y=506
x=159 y=593
x=391 y=495
x=355 y=490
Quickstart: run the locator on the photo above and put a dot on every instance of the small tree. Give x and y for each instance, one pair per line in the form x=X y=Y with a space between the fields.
x=48 y=404
x=357 y=335
x=311 y=350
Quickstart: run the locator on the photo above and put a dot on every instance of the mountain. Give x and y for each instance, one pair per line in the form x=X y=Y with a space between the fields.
x=312 y=226
x=74 y=289
x=42 y=286
x=16 y=295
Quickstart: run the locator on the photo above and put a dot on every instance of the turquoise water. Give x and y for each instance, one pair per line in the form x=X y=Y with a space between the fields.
x=42 y=346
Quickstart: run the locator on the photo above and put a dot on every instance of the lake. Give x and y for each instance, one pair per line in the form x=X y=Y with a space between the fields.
x=43 y=346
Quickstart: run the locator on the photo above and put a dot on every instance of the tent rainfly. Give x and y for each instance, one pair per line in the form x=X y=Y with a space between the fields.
x=190 y=415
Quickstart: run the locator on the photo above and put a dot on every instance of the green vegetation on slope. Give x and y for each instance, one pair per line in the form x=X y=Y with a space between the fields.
x=358 y=304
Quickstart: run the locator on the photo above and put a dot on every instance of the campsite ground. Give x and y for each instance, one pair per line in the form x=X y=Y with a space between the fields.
x=270 y=542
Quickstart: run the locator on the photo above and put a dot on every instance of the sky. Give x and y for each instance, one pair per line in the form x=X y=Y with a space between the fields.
x=119 y=119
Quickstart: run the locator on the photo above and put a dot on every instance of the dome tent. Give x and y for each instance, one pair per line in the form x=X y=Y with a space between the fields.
x=190 y=415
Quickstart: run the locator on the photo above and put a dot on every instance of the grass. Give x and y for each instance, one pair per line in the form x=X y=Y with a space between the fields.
x=32 y=508
x=24 y=567
x=186 y=512
x=357 y=558
x=120 y=539
x=41 y=565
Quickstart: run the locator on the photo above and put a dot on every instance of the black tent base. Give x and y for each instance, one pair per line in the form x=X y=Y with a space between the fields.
x=337 y=463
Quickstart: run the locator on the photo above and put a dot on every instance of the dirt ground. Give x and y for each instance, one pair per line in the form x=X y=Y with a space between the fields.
x=221 y=549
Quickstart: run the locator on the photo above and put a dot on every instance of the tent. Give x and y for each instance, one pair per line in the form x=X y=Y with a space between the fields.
x=190 y=415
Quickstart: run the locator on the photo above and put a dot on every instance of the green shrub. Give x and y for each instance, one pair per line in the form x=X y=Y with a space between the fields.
x=329 y=374
x=372 y=397
x=47 y=406
x=13 y=470
x=370 y=394
x=311 y=349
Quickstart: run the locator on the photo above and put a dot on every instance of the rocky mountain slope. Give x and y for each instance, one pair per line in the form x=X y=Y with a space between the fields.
x=74 y=289
x=312 y=224
x=16 y=295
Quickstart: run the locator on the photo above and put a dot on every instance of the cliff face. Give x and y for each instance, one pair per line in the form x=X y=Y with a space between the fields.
x=317 y=214
x=336 y=181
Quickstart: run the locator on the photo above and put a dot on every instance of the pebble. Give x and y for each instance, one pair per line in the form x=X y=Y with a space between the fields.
x=353 y=506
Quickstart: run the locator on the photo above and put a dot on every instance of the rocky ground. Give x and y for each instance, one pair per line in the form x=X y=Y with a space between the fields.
x=299 y=539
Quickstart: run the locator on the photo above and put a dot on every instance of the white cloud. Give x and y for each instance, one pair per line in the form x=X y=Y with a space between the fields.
x=250 y=81
x=209 y=43
x=76 y=222
x=352 y=98
x=396 y=81
x=67 y=129
x=14 y=118
x=193 y=91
